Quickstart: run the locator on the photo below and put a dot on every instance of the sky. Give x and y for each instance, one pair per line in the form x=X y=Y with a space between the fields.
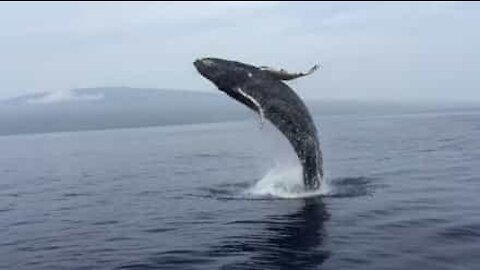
x=418 y=51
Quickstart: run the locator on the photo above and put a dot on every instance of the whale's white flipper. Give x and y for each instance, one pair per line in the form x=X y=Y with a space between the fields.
x=257 y=104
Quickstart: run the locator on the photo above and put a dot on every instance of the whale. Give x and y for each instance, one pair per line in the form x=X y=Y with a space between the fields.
x=262 y=89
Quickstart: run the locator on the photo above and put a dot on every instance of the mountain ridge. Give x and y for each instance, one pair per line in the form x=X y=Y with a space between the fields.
x=126 y=107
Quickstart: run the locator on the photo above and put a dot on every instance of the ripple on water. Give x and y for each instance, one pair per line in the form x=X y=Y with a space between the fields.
x=336 y=188
x=464 y=232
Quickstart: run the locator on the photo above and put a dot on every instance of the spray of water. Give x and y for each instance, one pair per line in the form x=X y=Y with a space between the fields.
x=284 y=179
x=285 y=182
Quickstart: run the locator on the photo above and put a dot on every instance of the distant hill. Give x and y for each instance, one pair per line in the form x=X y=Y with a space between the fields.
x=103 y=108
x=123 y=107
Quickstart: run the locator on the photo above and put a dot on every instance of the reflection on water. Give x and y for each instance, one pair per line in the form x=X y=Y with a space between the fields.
x=288 y=241
x=291 y=241
x=259 y=240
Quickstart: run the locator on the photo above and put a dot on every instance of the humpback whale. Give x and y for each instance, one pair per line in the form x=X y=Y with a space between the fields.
x=262 y=90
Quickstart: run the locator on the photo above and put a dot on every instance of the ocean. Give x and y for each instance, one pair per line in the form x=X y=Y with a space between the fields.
x=401 y=192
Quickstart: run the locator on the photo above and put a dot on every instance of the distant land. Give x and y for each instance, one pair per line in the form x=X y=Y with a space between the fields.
x=124 y=107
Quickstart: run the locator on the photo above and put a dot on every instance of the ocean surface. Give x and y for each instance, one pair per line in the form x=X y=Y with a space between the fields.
x=401 y=192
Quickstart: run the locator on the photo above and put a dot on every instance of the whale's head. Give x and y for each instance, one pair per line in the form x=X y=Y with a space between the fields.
x=230 y=77
x=226 y=75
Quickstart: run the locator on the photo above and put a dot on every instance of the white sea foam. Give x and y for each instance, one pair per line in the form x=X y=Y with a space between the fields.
x=285 y=182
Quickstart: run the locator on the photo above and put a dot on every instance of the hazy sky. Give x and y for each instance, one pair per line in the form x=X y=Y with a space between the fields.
x=395 y=51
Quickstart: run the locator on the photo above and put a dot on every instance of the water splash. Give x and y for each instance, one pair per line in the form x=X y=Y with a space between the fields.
x=285 y=182
x=284 y=179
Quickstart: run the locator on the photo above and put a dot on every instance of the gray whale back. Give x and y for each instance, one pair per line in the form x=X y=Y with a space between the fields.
x=275 y=101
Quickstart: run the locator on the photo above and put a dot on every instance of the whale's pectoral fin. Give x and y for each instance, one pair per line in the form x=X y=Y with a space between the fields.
x=285 y=75
x=255 y=103
x=311 y=70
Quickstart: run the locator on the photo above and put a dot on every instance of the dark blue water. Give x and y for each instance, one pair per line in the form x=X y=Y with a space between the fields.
x=404 y=194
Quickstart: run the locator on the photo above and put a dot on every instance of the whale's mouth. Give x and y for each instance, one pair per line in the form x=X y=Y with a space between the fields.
x=202 y=66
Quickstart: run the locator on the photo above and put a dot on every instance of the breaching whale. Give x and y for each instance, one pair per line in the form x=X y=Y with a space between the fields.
x=262 y=90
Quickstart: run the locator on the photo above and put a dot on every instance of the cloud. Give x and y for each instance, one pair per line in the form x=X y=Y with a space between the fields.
x=370 y=50
x=64 y=96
